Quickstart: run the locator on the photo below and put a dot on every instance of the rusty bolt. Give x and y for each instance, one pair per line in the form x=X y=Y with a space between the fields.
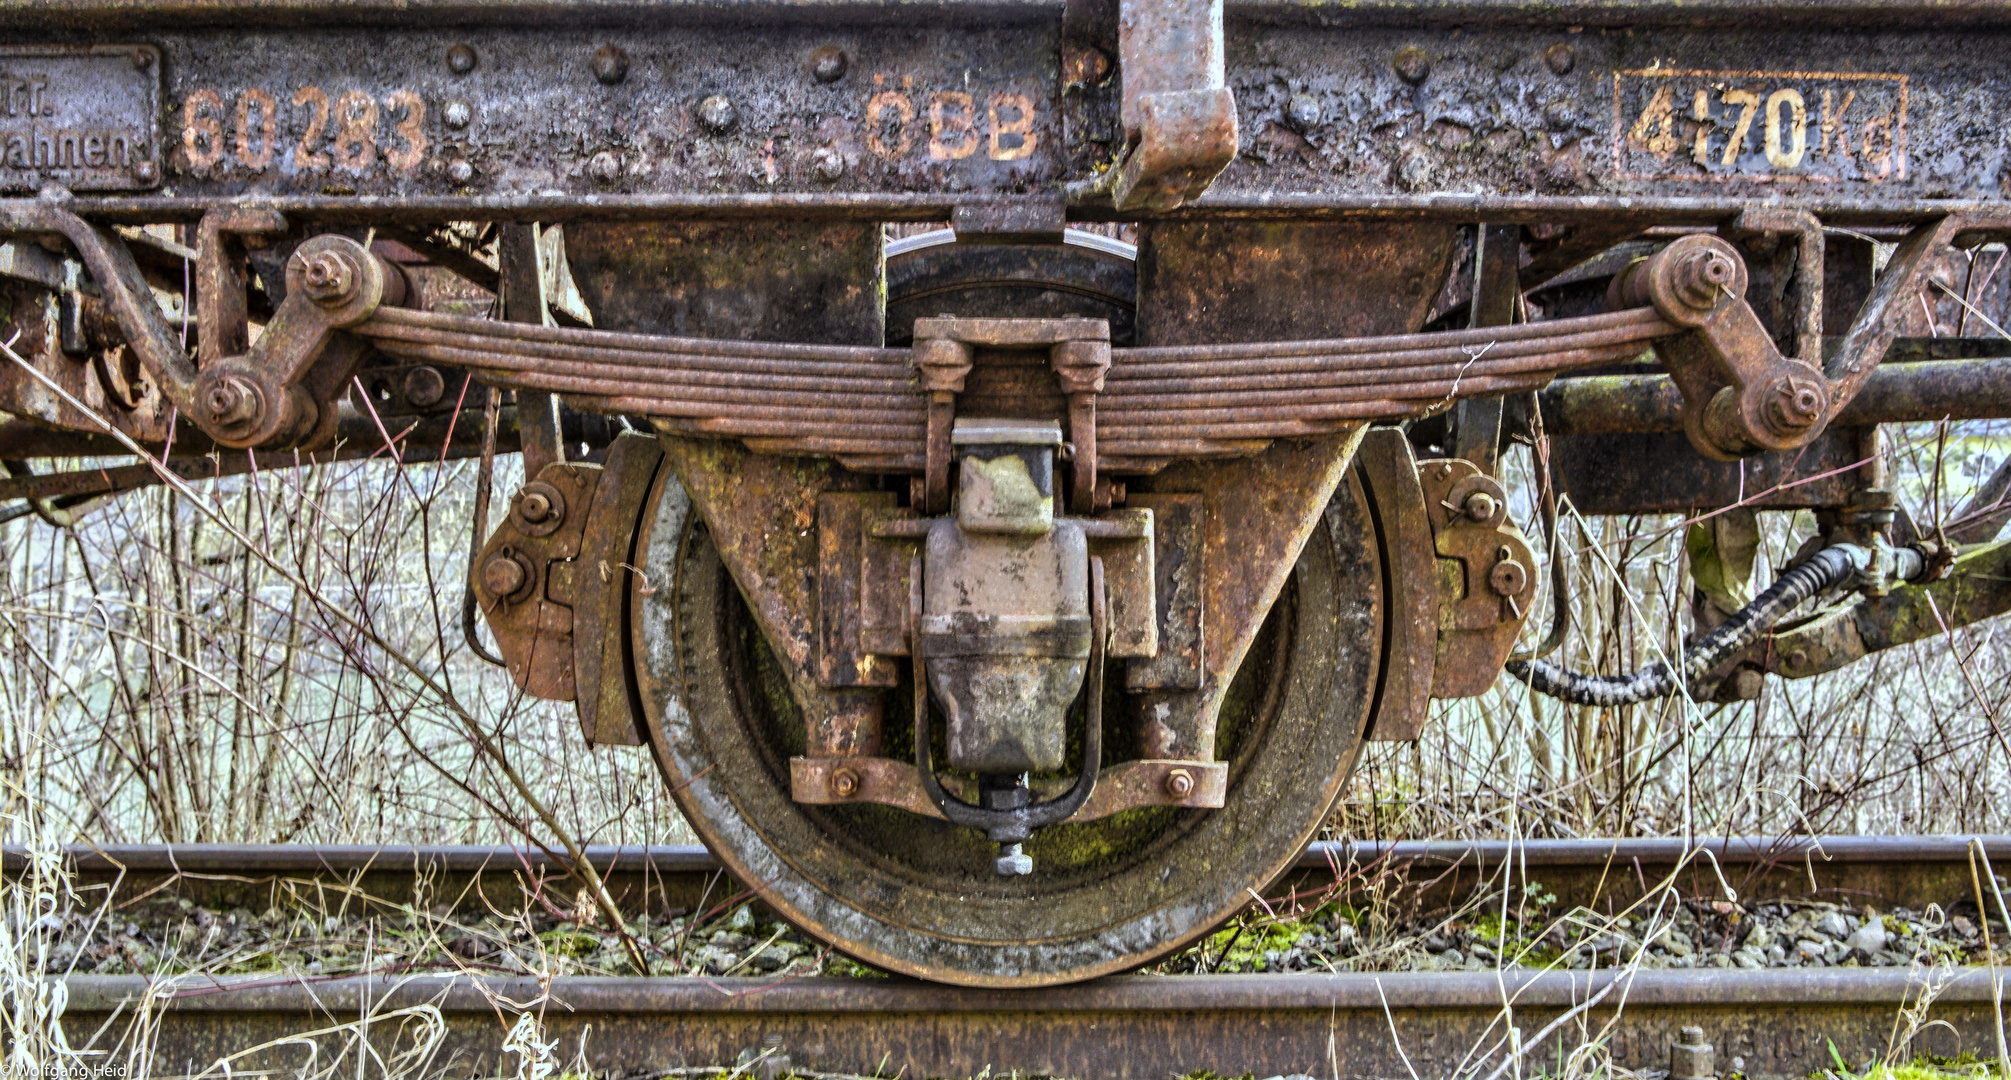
x=425 y=386
x=1302 y=113
x=1560 y=58
x=828 y=63
x=1508 y=578
x=460 y=59
x=1083 y=65
x=1690 y=1057
x=828 y=164
x=460 y=171
x=605 y=167
x=1180 y=783
x=717 y=115
x=1794 y=405
x=458 y=114
x=330 y=279
x=1412 y=65
x=610 y=64
x=844 y=783
x=1702 y=277
x=503 y=575
x=536 y=506
x=1012 y=862
x=232 y=401
x=1480 y=506
x=145 y=172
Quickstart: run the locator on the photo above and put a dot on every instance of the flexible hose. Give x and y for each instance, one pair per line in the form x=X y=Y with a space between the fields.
x=1821 y=572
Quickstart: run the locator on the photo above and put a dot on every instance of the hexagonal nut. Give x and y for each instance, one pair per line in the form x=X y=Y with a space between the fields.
x=1795 y=405
x=1179 y=783
x=329 y=278
x=233 y=402
x=1691 y=1061
x=844 y=783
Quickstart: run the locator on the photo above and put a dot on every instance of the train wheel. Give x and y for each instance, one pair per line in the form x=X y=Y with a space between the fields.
x=920 y=896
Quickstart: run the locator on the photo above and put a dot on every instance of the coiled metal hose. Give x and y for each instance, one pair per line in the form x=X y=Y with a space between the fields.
x=1821 y=572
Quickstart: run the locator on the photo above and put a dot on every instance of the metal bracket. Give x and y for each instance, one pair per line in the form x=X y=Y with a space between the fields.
x=945 y=351
x=1484 y=576
x=1180 y=126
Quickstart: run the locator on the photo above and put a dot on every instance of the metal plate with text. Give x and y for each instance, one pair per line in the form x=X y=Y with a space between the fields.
x=82 y=117
x=771 y=113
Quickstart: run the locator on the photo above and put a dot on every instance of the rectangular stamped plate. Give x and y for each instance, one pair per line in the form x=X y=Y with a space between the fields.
x=82 y=117
x=1780 y=127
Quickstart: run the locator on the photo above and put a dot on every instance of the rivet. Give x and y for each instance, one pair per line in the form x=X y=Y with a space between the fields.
x=828 y=164
x=145 y=172
x=828 y=63
x=460 y=59
x=1560 y=58
x=717 y=115
x=610 y=64
x=458 y=114
x=1302 y=113
x=1412 y=65
x=460 y=171
x=143 y=58
x=605 y=167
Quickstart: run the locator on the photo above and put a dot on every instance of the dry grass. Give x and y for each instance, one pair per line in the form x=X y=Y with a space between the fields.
x=277 y=658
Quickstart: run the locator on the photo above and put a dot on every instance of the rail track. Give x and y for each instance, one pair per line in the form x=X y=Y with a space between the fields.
x=1886 y=870
x=1761 y=1023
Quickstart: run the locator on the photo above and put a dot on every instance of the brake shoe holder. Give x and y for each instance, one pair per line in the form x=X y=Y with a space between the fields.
x=1483 y=575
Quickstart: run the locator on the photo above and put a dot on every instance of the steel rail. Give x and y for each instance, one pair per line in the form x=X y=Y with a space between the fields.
x=694 y=858
x=1887 y=871
x=1764 y=1024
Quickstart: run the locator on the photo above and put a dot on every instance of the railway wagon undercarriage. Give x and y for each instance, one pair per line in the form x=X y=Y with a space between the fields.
x=1007 y=600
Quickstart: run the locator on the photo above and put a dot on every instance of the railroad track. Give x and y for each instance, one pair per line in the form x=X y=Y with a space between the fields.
x=1763 y=1024
x=1886 y=870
